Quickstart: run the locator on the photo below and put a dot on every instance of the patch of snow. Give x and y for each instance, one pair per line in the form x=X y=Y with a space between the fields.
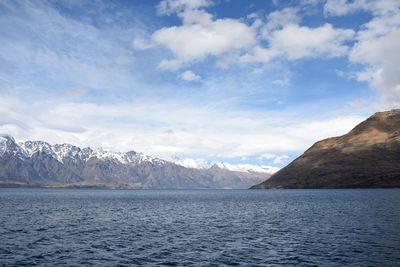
x=3 y=145
x=125 y=158
x=203 y=164
x=7 y=143
x=74 y=153
x=192 y=163
x=32 y=147
x=7 y=137
x=105 y=154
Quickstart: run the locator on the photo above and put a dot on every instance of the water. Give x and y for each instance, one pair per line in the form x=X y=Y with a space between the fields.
x=199 y=227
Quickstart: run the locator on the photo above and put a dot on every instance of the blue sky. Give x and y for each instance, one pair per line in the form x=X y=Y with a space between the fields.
x=237 y=81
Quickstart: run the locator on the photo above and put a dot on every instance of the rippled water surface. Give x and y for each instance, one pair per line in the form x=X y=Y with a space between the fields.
x=199 y=227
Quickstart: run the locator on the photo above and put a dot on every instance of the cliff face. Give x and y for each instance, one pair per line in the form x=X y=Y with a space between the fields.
x=367 y=157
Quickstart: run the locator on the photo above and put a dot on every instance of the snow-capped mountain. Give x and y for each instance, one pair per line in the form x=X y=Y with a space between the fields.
x=250 y=168
x=241 y=167
x=66 y=151
x=38 y=163
x=191 y=163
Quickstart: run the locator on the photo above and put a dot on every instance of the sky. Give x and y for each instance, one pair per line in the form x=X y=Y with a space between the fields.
x=253 y=82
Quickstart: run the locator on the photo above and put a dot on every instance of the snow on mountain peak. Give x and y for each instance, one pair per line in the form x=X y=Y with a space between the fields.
x=7 y=143
x=32 y=147
x=61 y=152
x=3 y=144
x=203 y=164
x=125 y=157
x=101 y=153
x=245 y=167
x=192 y=163
x=5 y=137
x=64 y=151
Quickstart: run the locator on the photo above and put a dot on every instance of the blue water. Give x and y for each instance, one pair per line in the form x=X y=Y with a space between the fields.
x=199 y=227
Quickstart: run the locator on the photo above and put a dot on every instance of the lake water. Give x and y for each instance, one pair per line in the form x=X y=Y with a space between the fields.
x=199 y=227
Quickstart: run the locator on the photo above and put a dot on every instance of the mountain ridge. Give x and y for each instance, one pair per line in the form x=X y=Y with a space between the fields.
x=366 y=157
x=37 y=163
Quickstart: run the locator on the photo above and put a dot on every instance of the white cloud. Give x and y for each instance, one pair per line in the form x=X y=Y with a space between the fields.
x=141 y=43
x=200 y=35
x=196 y=41
x=377 y=48
x=281 y=159
x=295 y=42
x=298 y=42
x=380 y=26
x=281 y=82
x=189 y=76
x=168 y=7
x=196 y=16
x=382 y=58
x=340 y=7
x=346 y=7
x=287 y=39
x=267 y=156
x=260 y=54
x=275 y=159
x=170 y=64
x=281 y=18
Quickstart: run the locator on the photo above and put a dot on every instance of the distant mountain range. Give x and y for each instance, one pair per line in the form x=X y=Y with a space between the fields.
x=37 y=163
x=240 y=167
x=367 y=157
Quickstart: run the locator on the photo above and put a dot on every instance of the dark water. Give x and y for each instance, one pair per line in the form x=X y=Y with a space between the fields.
x=200 y=227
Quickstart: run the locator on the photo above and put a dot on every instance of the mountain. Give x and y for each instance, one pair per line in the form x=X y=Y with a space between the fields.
x=249 y=168
x=241 y=167
x=37 y=163
x=367 y=157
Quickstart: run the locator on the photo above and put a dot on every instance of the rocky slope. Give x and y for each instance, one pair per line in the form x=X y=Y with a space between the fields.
x=37 y=163
x=367 y=157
